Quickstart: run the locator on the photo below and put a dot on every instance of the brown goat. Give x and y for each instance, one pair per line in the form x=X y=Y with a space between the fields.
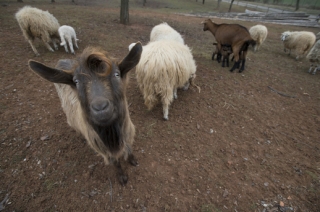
x=92 y=94
x=235 y=35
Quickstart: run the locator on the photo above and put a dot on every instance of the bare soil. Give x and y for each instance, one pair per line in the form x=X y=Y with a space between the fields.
x=238 y=145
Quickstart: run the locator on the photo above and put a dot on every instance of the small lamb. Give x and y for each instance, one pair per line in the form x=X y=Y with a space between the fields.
x=68 y=34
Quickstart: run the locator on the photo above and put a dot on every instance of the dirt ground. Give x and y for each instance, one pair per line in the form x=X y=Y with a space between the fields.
x=238 y=145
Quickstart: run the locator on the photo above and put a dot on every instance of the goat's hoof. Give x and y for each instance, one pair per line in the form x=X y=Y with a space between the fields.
x=241 y=70
x=132 y=160
x=123 y=179
x=231 y=70
x=166 y=118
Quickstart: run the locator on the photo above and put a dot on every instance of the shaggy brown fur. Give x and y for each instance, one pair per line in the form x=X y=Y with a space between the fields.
x=92 y=94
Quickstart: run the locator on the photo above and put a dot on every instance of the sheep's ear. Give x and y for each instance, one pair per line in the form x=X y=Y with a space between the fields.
x=51 y=74
x=131 y=60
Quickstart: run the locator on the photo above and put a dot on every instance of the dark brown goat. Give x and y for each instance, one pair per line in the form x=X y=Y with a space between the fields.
x=235 y=35
x=92 y=94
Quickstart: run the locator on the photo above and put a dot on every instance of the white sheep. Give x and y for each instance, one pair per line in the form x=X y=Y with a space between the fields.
x=259 y=34
x=300 y=41
x=68 y=34
x=165 y=32
x=36 y=23
x=164 y=66
x=314 y=56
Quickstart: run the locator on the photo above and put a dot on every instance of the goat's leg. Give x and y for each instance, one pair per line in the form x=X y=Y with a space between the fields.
x=219 y=57
x=122 y=176
x=223 y=61
x=227 y=60
x=132 y=160
x=236 y=54
x=213 y=54
x=243 y=59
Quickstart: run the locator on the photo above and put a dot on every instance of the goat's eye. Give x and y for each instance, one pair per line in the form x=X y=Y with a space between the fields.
x=117 y=74
x=76 y=81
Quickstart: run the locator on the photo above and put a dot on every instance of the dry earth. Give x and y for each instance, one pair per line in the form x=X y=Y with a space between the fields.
x=236 y=146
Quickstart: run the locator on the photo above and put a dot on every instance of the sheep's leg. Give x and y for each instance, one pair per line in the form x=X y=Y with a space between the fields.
x=64 y=43
x=75 y=43
x=122 y=176
x=33 y=48
x=315 y=70
x=175 y=96
x=166 y=100
x=46 y=40
x=310 y=69
x=165 y=110
x=55 y=45
x=70 y=45
x=186 y=86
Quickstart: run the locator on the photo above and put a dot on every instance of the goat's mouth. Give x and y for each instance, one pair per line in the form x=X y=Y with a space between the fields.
x=104 y=118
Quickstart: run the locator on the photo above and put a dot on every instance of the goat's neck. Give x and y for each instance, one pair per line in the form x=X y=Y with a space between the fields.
x=212 y=27
x=111 y=136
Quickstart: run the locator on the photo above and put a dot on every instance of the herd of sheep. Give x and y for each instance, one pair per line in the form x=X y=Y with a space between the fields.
x=92 y=88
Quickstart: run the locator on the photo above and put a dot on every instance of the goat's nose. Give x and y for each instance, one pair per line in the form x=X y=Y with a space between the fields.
x=98 y=106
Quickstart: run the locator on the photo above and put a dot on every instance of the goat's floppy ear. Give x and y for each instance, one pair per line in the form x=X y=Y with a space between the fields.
x=131 y=60
x=51 y=74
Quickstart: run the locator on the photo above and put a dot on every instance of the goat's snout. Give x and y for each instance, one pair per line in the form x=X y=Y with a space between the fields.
x=100 y=105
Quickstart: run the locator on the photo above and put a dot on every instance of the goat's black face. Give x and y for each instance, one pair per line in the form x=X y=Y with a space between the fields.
x=100 y=90
x=99 y=81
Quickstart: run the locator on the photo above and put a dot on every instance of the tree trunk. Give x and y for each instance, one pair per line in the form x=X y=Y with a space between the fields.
x=20 y=1
x=124 y=12
x=219 y=1
x=202 y=1
x=230 y=5
x=144 y=2
x=53 y=1
x=297 y=5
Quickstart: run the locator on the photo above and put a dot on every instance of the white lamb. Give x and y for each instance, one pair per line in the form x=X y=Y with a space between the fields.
x=314 y=56
x=300 y=41
x=36 y=23
x=165 y=32
x=259 y=34
x=68 y=34
x=164 y=66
